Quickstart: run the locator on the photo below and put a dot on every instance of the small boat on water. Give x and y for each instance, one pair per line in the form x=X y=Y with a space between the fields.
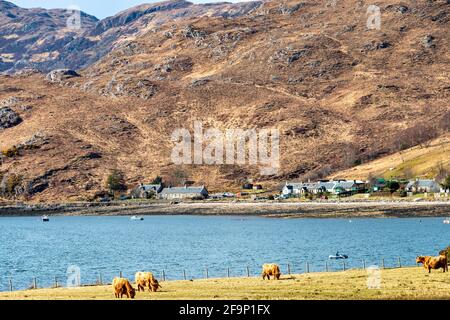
x=136 y=218
x=447 y=221
x=45 y=218
x=338 y=257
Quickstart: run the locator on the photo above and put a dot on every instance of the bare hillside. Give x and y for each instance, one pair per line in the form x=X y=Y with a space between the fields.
x=340 y=94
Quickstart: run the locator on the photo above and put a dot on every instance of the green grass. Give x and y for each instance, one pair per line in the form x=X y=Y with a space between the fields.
x=404 y=283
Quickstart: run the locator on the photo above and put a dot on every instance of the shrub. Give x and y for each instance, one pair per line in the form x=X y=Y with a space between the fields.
x=403 y=193
x=10 y=152
x=392 y=186
x=10 y=183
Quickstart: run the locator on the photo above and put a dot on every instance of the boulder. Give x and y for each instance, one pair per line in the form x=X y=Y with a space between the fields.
x=8 y=118
x=428 y=41
x=61 y=74
x=376 y=45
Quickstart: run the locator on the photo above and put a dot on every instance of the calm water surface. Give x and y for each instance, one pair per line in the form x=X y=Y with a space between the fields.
x=107 y=245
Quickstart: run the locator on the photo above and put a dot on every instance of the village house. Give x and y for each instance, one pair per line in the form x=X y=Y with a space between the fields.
x=379 y=185
x=185 y=192
x=145 y=191
x=421 y=186
x=323 y=186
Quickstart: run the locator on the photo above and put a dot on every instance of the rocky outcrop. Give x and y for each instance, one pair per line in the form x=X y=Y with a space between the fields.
x=36 y=141
x=376 y=45
x=8 y=118
x=139 y=88
x=61 y=75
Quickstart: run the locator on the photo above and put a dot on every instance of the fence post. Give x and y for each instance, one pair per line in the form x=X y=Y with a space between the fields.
x=399 y=262
x=382 y=263
x=163 y=276
x=307 y=267
x=228 y=272
x=364 y=264
x=289 y=269
x=207 y=275
x=101 y=279
x=120 y=274
x=343 y=264
x=184 y=274
x=326 y=266
x=248 y=272
x=10 y=285
x=34 y=283
x=56 y=282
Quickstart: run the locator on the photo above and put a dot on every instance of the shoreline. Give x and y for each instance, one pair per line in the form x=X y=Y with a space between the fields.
x=366 y=209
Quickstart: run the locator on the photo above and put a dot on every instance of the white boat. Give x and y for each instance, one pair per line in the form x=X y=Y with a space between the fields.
x=447 y=221
x=45 y=218
x=136 y=218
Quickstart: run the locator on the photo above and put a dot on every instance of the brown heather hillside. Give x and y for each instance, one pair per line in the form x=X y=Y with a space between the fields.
x=427 y=161
x=339 y=93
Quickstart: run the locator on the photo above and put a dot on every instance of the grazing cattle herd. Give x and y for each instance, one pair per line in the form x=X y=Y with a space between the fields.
x=122 y=286
x=144 y=280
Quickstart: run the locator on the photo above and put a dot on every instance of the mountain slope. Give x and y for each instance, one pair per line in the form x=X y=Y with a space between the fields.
x=422 y=161
x=340 y=95
x=32 y=37
x=38 y=38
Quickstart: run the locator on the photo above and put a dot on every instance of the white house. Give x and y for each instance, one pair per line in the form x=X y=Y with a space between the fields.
x=333 y=187
x=419 y=185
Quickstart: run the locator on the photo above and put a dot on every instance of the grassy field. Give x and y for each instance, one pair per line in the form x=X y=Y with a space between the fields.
x=418 y=161
x=405 y=283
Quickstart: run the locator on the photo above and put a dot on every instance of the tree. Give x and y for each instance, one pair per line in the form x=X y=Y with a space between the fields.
x=115 y=182
x=442 y=172
x=392 y=186
x=157 y=180
x=446 y=183
x=11 y=184
x=372 y=180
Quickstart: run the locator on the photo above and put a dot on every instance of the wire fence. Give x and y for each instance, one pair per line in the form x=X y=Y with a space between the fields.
x=104 y=277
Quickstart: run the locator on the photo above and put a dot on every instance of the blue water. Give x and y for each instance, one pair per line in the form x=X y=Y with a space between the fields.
x=30 y=248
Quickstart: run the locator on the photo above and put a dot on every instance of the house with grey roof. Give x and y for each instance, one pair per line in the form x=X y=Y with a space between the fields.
x=333 y=187
x=420 y=186
x=145 y=191
x=300 y=188
x=185 y=192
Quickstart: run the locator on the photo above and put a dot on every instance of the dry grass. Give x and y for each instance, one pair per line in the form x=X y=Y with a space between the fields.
x=405 y=283
x=419 y=161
